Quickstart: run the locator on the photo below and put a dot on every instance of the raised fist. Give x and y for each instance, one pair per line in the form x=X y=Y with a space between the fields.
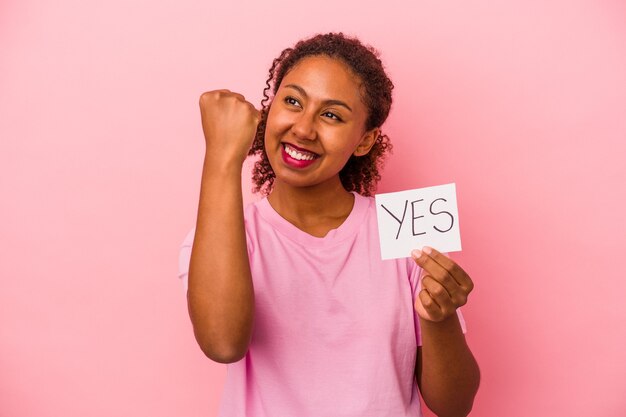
x=229 y=124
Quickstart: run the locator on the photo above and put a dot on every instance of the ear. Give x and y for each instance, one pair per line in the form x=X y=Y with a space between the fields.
x=367 y=141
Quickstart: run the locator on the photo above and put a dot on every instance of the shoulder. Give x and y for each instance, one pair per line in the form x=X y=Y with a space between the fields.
x=253 y=212
x=365 y=204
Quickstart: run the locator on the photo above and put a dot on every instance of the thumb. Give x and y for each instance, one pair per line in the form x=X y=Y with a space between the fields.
x=418 y=305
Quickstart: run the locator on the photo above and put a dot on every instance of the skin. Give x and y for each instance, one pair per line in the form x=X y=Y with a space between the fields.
x=305 y=113
x=446 y=371
x=318 y=108
x=220 y=296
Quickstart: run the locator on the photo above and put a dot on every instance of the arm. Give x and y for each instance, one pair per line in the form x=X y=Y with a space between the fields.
x=446 y=371
x=220 y=295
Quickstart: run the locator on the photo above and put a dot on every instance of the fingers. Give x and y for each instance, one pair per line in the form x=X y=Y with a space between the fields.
x=436 y=299
x=445 y=285
x=256 y=114
x=229 y=124
x=217 y=94
x=426 y=307
x=225 y=98
x=442 y=268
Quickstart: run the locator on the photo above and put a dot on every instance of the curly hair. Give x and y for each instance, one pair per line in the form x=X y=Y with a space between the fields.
x=361 y=173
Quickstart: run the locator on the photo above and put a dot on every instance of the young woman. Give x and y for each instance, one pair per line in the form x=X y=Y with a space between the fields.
x=290 y=291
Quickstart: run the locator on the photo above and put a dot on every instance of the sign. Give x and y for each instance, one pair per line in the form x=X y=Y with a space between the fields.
x=412 y=219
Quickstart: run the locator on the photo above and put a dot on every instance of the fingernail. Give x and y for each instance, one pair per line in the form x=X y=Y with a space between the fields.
x=427 y=249
x=416 y=253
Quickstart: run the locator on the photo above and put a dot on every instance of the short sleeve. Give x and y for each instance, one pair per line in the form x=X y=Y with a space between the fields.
x=184 y=253
x=416 y=286
x=184 y=257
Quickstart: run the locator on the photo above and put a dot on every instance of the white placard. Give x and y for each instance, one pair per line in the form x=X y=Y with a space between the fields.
x=412 y=219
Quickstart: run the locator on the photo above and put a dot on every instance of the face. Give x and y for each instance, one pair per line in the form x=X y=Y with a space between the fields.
x=316 y=122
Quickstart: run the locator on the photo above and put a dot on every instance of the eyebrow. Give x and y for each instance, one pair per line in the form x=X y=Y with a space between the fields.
x=327 y=102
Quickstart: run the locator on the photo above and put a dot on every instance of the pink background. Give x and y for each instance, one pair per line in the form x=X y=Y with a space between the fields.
x=521 y=103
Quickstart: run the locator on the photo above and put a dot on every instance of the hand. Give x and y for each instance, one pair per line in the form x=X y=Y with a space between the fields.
x=229 y=124
x=445 y=285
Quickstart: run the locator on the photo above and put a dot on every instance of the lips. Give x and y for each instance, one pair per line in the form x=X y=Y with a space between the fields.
x=297 y=157
x=299 y=153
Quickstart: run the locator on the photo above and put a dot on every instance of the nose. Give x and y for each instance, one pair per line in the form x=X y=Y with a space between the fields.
x=304 y=126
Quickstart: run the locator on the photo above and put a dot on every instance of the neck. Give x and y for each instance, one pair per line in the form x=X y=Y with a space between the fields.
x=311 y=204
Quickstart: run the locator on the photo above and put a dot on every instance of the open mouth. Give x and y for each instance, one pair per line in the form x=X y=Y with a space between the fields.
x=299 y=154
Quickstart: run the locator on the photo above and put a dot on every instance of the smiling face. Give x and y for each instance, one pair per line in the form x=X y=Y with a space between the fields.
x=316 y=122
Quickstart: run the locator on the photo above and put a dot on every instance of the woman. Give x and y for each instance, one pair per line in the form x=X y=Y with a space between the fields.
x=291 y=291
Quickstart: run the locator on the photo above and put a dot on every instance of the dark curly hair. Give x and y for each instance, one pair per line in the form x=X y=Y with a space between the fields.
x=361 y=173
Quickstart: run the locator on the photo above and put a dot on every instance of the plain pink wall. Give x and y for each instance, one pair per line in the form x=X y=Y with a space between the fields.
x=521 y=103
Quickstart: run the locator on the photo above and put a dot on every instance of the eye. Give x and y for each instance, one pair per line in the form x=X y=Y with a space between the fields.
x=292 y=101
x=332 y=115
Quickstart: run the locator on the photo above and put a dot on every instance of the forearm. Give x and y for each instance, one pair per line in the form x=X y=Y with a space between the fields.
x=447 y=373
x=220 y=294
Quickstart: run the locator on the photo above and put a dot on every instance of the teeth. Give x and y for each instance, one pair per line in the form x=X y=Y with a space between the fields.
x=298 y=155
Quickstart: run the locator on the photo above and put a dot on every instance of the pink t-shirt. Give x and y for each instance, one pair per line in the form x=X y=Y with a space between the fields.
x=335 y=330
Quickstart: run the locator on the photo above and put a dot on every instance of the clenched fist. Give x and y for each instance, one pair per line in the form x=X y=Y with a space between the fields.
x=229 y=124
